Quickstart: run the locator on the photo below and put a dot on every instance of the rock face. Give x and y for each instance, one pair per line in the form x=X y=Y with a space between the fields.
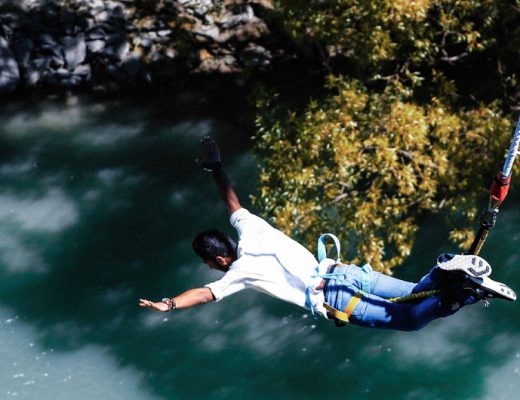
x=9 y=73
x=95 y=43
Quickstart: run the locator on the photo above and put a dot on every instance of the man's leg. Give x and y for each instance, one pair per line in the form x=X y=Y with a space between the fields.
x=388 y=287
x=380 y=313
x=446 y=274
x=374 y=310
x=361 y=278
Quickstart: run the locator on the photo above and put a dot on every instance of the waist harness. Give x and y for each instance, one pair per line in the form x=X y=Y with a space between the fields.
x=341 y=317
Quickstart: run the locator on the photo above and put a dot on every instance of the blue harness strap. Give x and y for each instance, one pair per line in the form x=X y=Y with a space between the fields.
x=322 y=250
x=341 y=276
x=365 y=278
x=308 y=302
x=322 y=254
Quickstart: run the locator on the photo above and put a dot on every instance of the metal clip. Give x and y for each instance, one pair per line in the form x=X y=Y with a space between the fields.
x=488 y=218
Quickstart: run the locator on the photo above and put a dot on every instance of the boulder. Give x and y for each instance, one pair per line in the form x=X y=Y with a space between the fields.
x=95 y=46
x=84 y=71
x=117 y=47
x=231 y=21
x=32 y=76
x=71 y=81
x=97 y=33
x=256 y=56
x=41 y=63
x=75 y=50
x=9 y=72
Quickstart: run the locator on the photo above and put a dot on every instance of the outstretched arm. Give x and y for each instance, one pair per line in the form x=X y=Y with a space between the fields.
x=212 y=162
x=187 y=299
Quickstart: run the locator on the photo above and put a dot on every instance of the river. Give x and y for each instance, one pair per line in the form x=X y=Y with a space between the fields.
x=99 y=201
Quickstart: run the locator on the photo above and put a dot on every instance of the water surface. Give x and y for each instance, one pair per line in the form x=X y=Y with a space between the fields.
x=99 y=201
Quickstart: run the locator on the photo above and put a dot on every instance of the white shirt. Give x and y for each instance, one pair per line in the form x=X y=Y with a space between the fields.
x=270 y=262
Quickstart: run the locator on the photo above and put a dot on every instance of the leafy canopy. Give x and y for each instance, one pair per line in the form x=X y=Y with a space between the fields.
x=401 y=128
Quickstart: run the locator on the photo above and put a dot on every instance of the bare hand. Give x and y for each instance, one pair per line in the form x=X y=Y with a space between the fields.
x=159 y=306
x=211 y=154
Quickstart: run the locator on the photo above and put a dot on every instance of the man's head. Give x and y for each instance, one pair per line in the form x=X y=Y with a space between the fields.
x=215 y=248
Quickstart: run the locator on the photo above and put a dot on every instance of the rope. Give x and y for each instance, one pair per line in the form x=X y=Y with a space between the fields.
x=513 y=151
x=498 y=193
x=414 y=296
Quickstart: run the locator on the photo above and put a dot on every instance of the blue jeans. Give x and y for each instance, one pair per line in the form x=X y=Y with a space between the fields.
x=374 y=310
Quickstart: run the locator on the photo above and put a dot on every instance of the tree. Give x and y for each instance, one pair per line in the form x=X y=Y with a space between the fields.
x=398 y=130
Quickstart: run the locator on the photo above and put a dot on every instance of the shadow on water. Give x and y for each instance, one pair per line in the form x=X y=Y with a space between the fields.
x=98 y=205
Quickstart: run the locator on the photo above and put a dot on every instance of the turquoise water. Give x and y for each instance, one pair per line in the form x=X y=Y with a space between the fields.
x=99 y=202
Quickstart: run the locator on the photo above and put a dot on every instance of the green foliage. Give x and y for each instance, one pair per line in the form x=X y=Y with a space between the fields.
x=422 y=42
x=366 y=165
x=401 y=130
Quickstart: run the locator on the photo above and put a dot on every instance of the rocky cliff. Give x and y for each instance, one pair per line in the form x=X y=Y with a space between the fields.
x=103 y=45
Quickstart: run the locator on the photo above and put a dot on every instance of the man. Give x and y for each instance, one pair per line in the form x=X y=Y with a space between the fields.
x=267 y=260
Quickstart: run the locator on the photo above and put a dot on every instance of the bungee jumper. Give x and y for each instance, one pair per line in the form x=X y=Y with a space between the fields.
x=267 y=260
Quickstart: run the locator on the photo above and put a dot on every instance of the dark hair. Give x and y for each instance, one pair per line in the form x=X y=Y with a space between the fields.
x=212 y=243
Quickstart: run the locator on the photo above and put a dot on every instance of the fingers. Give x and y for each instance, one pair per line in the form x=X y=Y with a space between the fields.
x=146 y=303
x=208 y=142
x=209 y=146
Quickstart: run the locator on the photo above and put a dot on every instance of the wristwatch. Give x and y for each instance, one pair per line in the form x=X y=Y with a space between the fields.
x=170 y=303
x=212 y=166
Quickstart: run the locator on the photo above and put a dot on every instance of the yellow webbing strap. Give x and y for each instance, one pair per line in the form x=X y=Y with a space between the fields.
x=349 y=309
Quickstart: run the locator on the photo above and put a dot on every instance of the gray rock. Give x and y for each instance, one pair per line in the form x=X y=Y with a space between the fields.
x=103 y=16
x=83 y=70
x=89 y=23
x=41 y=64
x=32 y=76
x=75 y=50
x=46 y=40
x=229 y=60
x=9 y=72
x=96 y=4
x=71 y=81
x=96 y=34
x=199 y=7
x=48 y=43
x=6 y=30
x=164 y=32
x=256 y=56
x=95 y=46
x=62 y=72
x=143 y=41
x=235 y=20
x=117 y=47
x=57 y=62
x=28 y=4
x=212 y=32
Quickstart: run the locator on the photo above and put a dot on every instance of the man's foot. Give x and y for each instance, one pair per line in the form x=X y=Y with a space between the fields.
x=471 y=265
x=485 y=287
